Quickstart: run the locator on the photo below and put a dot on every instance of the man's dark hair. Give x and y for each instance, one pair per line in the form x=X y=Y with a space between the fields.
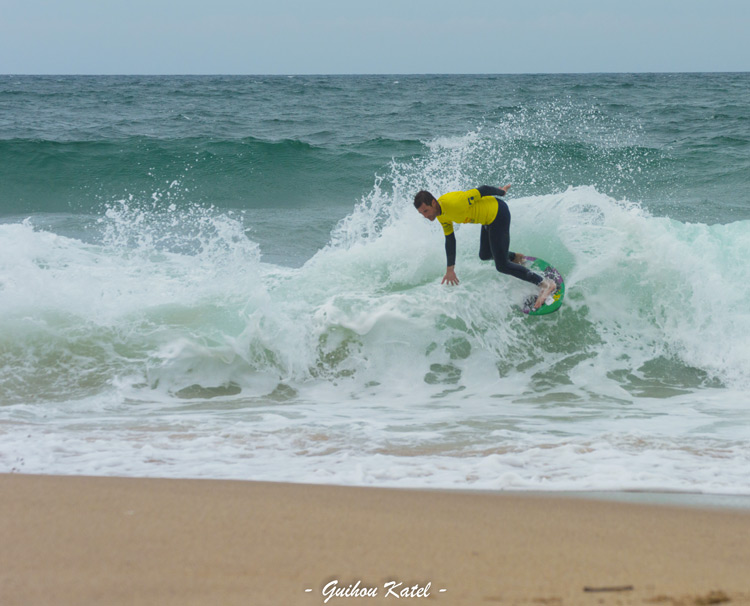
x=423 y=197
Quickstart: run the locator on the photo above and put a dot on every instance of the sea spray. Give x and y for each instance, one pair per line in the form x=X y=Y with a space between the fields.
x=194 y=291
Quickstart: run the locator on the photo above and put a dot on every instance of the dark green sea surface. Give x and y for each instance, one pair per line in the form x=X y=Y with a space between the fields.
x=679 y=143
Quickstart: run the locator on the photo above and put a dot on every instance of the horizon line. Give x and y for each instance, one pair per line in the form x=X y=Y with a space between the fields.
x=350 y=74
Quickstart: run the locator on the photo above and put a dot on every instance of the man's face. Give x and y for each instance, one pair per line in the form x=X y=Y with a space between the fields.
x=429 y=211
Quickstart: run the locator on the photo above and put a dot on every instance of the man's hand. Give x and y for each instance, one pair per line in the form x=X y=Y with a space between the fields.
x=450 y=276
x=506 y=188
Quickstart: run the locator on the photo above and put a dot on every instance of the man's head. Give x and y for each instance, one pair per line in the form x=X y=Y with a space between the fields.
x=426 y=204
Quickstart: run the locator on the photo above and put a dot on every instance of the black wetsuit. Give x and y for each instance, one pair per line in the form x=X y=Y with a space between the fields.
x=494 y=241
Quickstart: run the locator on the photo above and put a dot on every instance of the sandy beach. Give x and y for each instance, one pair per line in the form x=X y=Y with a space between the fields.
x=82 y=540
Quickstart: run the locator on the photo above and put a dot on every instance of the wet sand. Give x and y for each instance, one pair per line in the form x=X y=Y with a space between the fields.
x=117 y=541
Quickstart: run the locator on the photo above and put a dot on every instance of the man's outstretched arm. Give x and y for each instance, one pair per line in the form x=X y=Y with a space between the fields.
x=488 y=190
x=450 y=255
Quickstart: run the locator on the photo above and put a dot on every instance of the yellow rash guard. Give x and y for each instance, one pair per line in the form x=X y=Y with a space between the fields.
x=466 y=207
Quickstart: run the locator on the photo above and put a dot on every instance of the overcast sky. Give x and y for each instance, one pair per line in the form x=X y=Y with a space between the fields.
x=372 y=36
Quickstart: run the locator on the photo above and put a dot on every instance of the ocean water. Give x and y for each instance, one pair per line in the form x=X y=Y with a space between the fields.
x=225 y=277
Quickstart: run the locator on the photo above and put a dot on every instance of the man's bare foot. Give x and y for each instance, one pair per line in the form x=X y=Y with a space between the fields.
x=546 y=288
x=518 y=258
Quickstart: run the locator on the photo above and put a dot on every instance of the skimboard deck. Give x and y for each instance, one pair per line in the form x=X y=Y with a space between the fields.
x=554 y=301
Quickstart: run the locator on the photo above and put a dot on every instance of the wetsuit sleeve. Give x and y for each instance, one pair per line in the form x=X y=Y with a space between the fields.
x=450 y=249
x=488 y=190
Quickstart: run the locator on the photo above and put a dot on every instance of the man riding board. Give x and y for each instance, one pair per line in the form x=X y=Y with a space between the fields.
x=482 y=205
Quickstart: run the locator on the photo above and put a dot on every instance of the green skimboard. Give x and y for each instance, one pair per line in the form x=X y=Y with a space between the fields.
x=554 y=301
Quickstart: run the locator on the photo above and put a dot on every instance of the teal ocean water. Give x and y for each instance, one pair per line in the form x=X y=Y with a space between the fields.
x=225 y=277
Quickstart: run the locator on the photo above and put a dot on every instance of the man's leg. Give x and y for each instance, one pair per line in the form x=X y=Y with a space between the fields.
x=485 y=251
x=498 y=235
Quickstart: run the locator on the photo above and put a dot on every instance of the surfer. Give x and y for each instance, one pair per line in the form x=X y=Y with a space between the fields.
x=482 y=205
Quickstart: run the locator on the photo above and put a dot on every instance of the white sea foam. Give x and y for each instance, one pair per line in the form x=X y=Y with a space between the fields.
x=169 y=348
